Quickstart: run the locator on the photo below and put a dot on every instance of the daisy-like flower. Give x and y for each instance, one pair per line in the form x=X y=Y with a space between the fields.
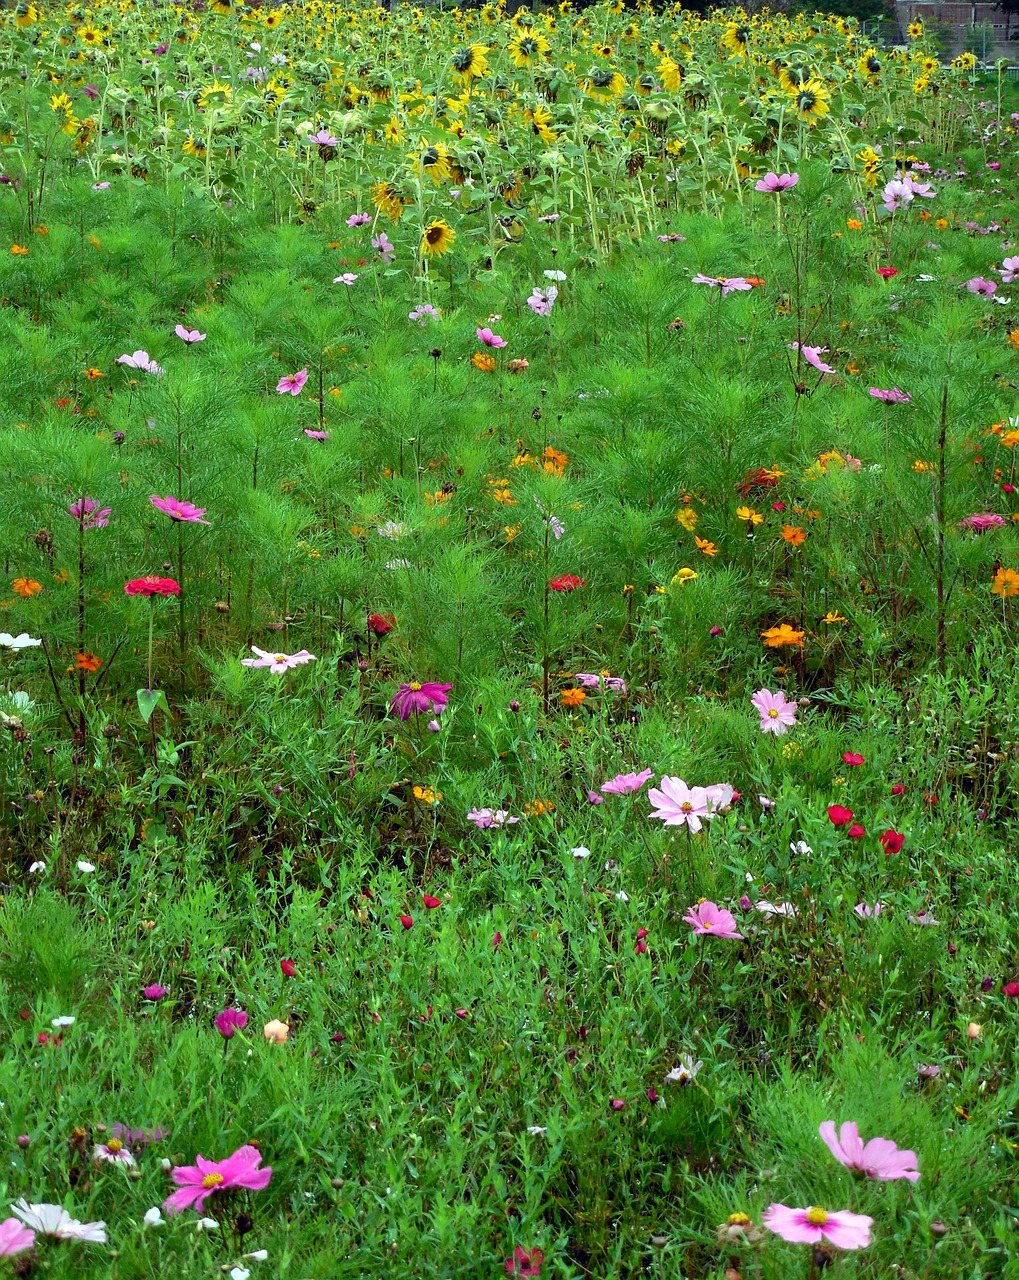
x=490 y=339
x=348 y=278
x=880 y=1159
x=54 y=1220
x=485 y=818
x=89 y=513
x=113 y=1152
x=866 y=910
x=183 y=512
x=777 y=714
x=844 y=1230
x=14 y=1238
x=678 y=805
x=707 y=917
x=189 y=336
x=727 y=284
x=141 y=360
x=277 y=662
x=812 y=355
x=292 y=383
x=772 y=182
x=208 y=1177
x=22 y=641
x=623 y=784
x=892 y=396
x=417 y=697
x=686 y=1072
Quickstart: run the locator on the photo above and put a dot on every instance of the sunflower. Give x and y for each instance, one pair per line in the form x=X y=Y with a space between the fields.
x=272 y=19
x=469 y=62
x=432 y=161
x=540 y=120
x=393 y=132
x=871 y=162
x=25 y=15
x=964 y=62
x=389 y=200
x=735 y=38
x=645 y=84
x=90 y=35
x=915 y=30
x=603 y=83
x=490 y=14
x=671 y=74
x=793 y=78
x=527 y=49
x=603 y=50
x=192 y=147
x=215 y=95
x=869 y=66
x=812 y=102
x=437 y=239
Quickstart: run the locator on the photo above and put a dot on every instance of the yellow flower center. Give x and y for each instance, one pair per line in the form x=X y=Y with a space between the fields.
x=113 y=1146
x=281 y=657
x=738 y=1220
x=213 y=1180
x=816 y=1217
x=686 y=806
x=773 y=713
x=414 y=685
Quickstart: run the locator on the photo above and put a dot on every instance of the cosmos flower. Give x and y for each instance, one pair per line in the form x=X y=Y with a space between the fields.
x=844 y=1230
x=777 y=714
x=892 y=396
x=356 y=219
x=772 y=182
x=22 y=641
x=385 y=250
x=189 y=335
x=985 y=288
x=415 y=698
x=624 y=784
x=676 y=804
x=542 y=301
x=812 y=355
x=981 y=521
x=483 y=819
x=423 y=313
x=14 y=1238
x=727 y=284
x=142 y=361
x=706 y=917
x=184 y=512
x=880 y=1159
x=278 y=662
x=207 y=1177
x=292 y=383
x=54 y=1220
x=490 y=339
x=89 y=513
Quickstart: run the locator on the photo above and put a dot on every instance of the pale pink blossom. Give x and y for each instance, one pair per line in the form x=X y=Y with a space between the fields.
x=277 y=662
x=777 y=714
x=772 y=182
x=812 y=355
x=625 y=783
x=880 y=1159
x=677 y=805
x=485 y=818
x=891 y=396
x=706 y=917
x=844 y=1230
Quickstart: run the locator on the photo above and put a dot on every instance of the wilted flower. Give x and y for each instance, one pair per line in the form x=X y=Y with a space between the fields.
x=891 y=396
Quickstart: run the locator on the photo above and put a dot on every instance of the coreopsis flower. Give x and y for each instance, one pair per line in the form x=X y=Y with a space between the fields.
x=26 y=587
x=814 y=1225
x=183 y=512
x=208 y=1177
x=880 y=1159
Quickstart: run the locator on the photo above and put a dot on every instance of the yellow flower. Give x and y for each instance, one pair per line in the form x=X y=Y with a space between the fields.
x=920 y=466
x=427 y=795
x=511 y=531
x=437 y=239
x=782 y=636
x=681 y=578
x=537 y=808
x=572 y=697
x=750 y=515
x=1013 y=339
x=528 y=49
x=854 y=224
x=1005 y=583
x=708 y=548
x=505 y=497
x=483 y=361
x=18 y=250
x=469 y=62
x=687 y=518
x=833 y=616
x=812 y=102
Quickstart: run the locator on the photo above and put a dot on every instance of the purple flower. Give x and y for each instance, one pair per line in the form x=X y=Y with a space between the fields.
x=316 y=435
x=292 y=382
x=141 y=360
x=897 y=194
x=414 y=698
x=542 y=301
x=979 y=285
x=160 y=49
x=189 y=335
x=89 y=513
x=230 y=1021
x=355 y=219
x=325 y=139
x=625 y=783
x=891 y=396
x=154 y=991
x=384 y=249
x=485 y=818
x=423 y=313
x=706 y=917
x=137 y=1137
x=594 y=798
x=672 y=238
x=490 y=339
x=812 y=355
x=91 y=92
x=772 y=182
x=549 y=217
x=592 y=680
x=182 y=512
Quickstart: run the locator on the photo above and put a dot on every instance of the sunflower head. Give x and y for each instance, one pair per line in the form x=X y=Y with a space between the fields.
x=437 y=239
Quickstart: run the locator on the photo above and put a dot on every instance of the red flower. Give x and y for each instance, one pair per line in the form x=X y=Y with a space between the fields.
x=839 y=814
x=851 y=758
x=886 y=273
x=778 y=506
x=152 y=586
x=496 y=941
x=406 y=921
x=892 y=841
x=898 y=789
x=856 y=831
x=524 y=1262
x=289 y=968
x=381 y=623
x=431 y=902
x=1010 y=989
x=567 y=582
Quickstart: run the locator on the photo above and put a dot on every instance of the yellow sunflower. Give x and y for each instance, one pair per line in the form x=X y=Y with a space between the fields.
x=432 y=161
x=527 y=49
x=389 y=199
x=437 y=239
x=812 y=102
x=469 y=62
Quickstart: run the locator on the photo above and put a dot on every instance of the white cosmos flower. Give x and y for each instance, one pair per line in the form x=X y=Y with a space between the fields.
x=86 y=867
x=37 y=868
x=581 y=852
x=153 y=1218
x=537 y=1130
x=260 y=1255
x=239 y=1273
x=22 y=641
x=64 y=1021
x=54 y=1220
x=206 y=1224
x=558 y=276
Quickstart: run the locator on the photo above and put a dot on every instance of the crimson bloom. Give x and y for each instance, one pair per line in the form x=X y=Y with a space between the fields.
x=892 y=841
x=852 y=758
x=207 y=1177
x=414 y=698
x=566 y=582
x=381 y=623
x=879 y=1159
x=184 y=512
x=886 y=273
x=289 y=968
x=525 y=1262
x=1010 y=989
x=152 y=586
x=430 y=902
x=407 y=921
x=839 y=814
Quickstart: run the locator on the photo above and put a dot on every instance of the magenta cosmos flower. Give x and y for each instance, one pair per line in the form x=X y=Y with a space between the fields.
x=981 y=521
x=292 y=382
x=777 y=715
x=892 y=396
x=277 y=662
x=772 y=182
x=485 y=818
x=979 y=285
x=812 y=355
x=189 y=335
x=414 y=698
x=625 y=783
x=706 y=917
x=185 y=512
x=490 y=339
x=844 y=1230
x=678 y=805
x=879 y=1159
x=206 y=1177
x=14 y=1238
x=89 y=513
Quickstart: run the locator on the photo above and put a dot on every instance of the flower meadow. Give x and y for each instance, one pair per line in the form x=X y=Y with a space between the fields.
x=508 y=711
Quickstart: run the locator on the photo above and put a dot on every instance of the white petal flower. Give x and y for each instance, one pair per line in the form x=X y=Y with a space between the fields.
x=206 y=1224
x=153 y=1218
x=37 y=868
x=537 y=1130
x=581 y=852
x=54 y=1220
x=22 y=641
x=239 y=1273
x=62 y=1022
x=260 y=1255
x=86 y=867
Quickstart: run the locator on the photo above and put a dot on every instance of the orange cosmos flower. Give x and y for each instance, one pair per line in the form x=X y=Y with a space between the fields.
x=481 y=360
x=88 y=662
x=708 y=548
x=794 y=536
x=26 y=587
x=1006 y=583
x=18 y=249
x=782 y=636
x=572 y=697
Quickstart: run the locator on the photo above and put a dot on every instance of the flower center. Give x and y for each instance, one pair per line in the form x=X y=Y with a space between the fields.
x=414 y=686
x=114 y=1147
x=213 y=1180
x=773 y=713
x=816 y=1217
x=281 y=657
x=738 y=1220
x=686 y=806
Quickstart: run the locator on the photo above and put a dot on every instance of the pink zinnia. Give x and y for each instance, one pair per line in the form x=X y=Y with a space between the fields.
x=625 y=783
x=185 y=512
x=812 y=355
x=292 y=382
x=490 y=339
x=706 y=917
x=679 y=805
x=206 y=1177
x=414 y=698
x=879 y=1159
x=152 y=585
x=777 y=715
x=14 y=1238
x=844 y=1230
x=772 y=182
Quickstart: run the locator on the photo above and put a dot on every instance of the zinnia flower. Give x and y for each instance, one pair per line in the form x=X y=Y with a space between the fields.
x=879 y=1159
x=706 y=917
x=152 y=586
x=844 y=1230
x=414 y=698
x=277 y=662
x=207 y=1177
x=777 y=715
x=184 y=512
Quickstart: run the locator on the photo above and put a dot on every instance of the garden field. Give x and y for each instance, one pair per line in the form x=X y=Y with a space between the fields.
x=509 y=720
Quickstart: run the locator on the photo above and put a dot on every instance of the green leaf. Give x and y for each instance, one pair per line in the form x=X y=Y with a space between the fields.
x=148 y=700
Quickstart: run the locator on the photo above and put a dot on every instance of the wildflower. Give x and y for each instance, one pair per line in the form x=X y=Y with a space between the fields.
x=26 y=587
x=772 y=182
x=782 y=636
x=53 y=1220
x=706 y=917
x=679 y=805
x=490 y=339
x=892 y=396
x=154 y=991
x=1005 y=583
x=481 y=360
x=682 y=577
x=89 y=513
x=625 y=783
x=190 y=336
x=437 y=239
x=113 y=1152
x=727 y=284
x=207 y=1177
x=87 y=662
x=414 y=698
x=292 y=383
x=355 y=219
x=483 y=819
x=14 y=1238
x=839 y=815
x=572 y=697
x=525 y=1262
x=1009 y=270
x=748 y=514
x=184 y=512
x=142 y=361
x=981 y=521
x=407 y=921
x=923 y=918
x=794 y=535
x=891 y=841
x=381 y=624
x=844 y=1230
x=276 y=1032
x=19 y=250
x=385 y=250
x=854 y=224
x=230 y=1021
x=277 y=662
x=348 y=278
x=852 y=758
x=153 y=1217
x=423 y=313
x=886 y=273
x=518 y=365
x=22 y=641
x=685 y=1073
x=541 y=301
x=566 y=582
x=777 y=714
x=812 y=355
x=706 y=547
x=985 y=288
x=152 y=586
x=880 y=1159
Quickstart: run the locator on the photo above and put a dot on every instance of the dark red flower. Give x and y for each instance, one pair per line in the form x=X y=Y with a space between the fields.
x=892 y=841
x=839 y=814
x=496 y=941
x=289 y=968
x=851 y=758
x=652 y=1094
x=525 y=1262
x=898 y=789
x=381 y=623
x=406 y=921
x=431 y=902
x=886 y=273
x=567 y=582
x=1010 y=989
x=152 y=586
x=337 y=1038
x=856 y=831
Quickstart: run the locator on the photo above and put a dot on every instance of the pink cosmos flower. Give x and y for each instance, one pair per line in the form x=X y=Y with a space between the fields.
x=417 y=697
x=812 y=355
x=292 y=382
x=189 y=335
x=879 y=1159
x=323 y=138
x=706 y=917
x=625 y=783
x=727 y=284
x=777 y=715
x=542 y=301
x=141 y=360
x=385 y=250
x=316 y=435
x=678 y=805
x=89 y=513
x=14 y=1238
x=984 y=287
x=892 y=396
x=844 y=1230
x=184 y=512
x=357 y=219
x=981 y=521
x=277 y=662
x=206 y=1177
x=594 y=680
x=865 y=911
x=897 y=194
x=772 y=182
x=490 y=339
x=230 y=1021
x=1009 y=270
x=348 y=278
x=485 y=818
x=525 y=1262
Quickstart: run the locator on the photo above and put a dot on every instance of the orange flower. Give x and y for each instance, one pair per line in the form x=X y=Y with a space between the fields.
x=572 y=697
x=555 y=462
x=1006 y=583
x=852 y=367
x=782 y=636
x=707 y=547
x=1013 y=339
x=92 y=374
x=854 y=224
x=88 y=662
x=26 y=587
x=794 y=536
x=537 y=808
x=481 y=360
x=18 y=249
x=42 y=229
x=755 y=281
